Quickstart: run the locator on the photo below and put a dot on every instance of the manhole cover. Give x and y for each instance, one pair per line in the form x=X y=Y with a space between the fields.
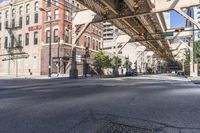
x=111 y=127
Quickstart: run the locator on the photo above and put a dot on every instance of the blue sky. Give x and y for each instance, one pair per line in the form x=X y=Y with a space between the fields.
x=176 y=19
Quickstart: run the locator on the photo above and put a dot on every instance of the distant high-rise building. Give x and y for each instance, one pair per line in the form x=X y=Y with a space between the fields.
x=167 y=19
x=194 y=12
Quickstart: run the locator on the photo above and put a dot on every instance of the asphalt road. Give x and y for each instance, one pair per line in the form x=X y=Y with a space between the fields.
x=154 y=103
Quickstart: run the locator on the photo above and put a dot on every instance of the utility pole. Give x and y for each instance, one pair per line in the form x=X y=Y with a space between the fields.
x=58 y=56
x=50 y=45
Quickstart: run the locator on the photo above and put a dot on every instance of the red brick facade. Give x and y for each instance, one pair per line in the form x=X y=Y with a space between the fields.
x=62 y=28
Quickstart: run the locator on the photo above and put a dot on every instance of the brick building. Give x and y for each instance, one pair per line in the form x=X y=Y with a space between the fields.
x=25 y=36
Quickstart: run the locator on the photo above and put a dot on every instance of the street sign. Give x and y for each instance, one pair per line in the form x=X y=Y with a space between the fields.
x=16 y=57
x=167 y=34
x=33 y=28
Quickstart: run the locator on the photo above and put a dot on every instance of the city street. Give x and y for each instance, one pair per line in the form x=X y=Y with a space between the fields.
x=147 y=104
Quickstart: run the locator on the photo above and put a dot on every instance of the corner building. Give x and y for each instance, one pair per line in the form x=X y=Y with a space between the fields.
x=32 y=33
x=20 y=31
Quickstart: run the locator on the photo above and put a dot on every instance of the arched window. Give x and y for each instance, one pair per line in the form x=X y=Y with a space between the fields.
x=93 y=44
x=88 y=42
x=27 y=8
x=13 y=12
x=96 y=45
x=85 y=41
x=7 y=14
x=36 y=6
x=20 y=10
x=78 y=6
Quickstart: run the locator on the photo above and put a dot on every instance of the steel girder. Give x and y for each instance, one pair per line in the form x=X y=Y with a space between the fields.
x=135 y=25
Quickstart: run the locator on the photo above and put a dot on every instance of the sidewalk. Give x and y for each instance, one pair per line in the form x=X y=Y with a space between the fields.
x=54 y=76
x=195 y=80
x=43 y=77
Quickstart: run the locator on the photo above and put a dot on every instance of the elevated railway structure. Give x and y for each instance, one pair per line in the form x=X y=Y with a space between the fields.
x=142 y=20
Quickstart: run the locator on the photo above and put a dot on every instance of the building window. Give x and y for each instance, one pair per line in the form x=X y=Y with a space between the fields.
x=0 y=26
x=13 y=23
x=20 y=40
x=6 y=14
x=0 y=15
x=97 y=31
x=27 y=39
x=49 y=16
x=27 y=20
x=20 y=10
x=99 y=45
x=78 y=6
x=48 y=3
x=20 y=22
x=96 y=45
x=93 y=45
x=56 y=3
x=88 y=42
x=67 y=16
x=6 y=24
x=27 y=8
x=48 y=36
x=36 y=18
x=36 y=6
x=6 y=42
x=35 y=38
x=13 y=12
x=78 y=40
x=12 y=41
x=85 y=41
x=56 y=14
x=67 y=36
x=55 y=35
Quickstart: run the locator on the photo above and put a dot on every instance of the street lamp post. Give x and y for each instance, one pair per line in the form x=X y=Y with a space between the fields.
x=50 y=46
x=50 y=24
x=58 y=56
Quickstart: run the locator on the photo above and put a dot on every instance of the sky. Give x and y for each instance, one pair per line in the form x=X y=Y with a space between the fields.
x=176 y=19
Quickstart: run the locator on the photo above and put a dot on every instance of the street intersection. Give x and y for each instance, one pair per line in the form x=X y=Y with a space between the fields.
x=148 y=103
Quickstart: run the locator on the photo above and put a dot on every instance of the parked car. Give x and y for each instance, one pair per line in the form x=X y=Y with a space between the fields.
x=180 y=73
x=131 y=72
x=173 y=72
